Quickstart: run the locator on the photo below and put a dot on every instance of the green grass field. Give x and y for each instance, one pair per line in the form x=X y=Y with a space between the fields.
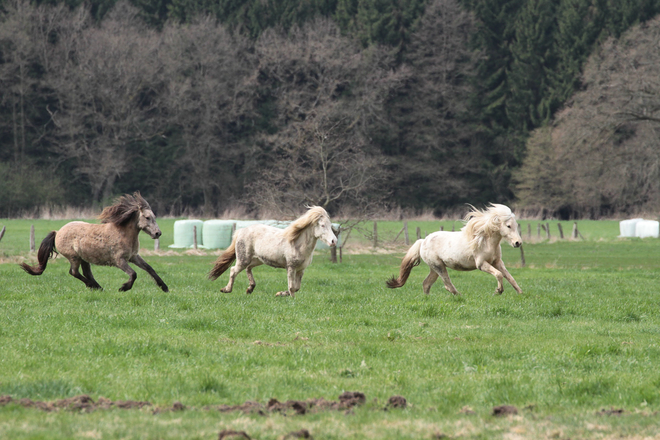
x=582 y=340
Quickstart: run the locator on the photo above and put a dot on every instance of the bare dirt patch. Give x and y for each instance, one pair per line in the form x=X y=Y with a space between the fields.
x=504 y=410
x=85 y=403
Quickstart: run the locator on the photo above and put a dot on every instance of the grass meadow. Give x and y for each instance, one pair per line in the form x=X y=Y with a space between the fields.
x=577 y=354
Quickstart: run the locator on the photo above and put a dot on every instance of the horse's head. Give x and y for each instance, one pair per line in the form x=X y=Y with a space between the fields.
x=509 y=231
x=147 y=223
x=497 y=220
x=134 y=211
x=146 y=218
x=323 y=231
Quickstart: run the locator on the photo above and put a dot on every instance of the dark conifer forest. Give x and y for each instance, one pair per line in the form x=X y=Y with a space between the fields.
x=360 y=106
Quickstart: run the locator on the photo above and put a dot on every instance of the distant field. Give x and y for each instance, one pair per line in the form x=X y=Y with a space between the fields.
x=576 y=354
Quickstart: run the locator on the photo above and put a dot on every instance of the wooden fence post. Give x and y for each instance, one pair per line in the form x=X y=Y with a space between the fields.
x=32 y=238
x=529 y=230
x=561 y=231
x=547 y=229
x=575 y=231
x=538 y=230
x=195 y=237
x=2 y=233
x=419 y=233
x=157 y=244
x=522 y=256
x=405 y=232
x=375 y=234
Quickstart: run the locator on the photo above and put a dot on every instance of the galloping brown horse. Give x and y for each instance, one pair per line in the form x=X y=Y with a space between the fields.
x=112 y=243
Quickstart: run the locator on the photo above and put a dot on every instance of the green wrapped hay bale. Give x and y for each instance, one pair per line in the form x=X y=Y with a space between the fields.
x=217 y=234
x=183 y=233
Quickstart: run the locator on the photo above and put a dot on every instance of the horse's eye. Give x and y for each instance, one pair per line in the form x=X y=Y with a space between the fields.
x=508 y=226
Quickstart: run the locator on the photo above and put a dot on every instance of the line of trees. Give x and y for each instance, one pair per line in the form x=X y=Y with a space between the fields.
x=349 y=104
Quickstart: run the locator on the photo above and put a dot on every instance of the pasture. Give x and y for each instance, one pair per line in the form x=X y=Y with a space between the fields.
x=577 y=354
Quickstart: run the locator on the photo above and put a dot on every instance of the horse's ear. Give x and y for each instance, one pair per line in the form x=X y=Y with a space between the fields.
x=142 y=203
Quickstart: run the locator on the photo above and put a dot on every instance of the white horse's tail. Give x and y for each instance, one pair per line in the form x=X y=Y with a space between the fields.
x=411 y=260
x=224 y=261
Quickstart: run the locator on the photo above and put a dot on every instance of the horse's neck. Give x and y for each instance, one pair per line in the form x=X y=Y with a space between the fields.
x=130 y=232
x=493 y=241
x=306 y=241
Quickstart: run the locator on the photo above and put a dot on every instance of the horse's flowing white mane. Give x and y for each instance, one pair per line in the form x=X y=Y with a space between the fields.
x=313 y=215
x=482 y=224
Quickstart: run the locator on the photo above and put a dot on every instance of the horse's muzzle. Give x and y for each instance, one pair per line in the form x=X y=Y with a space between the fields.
x=517 y=244
x=156 y=235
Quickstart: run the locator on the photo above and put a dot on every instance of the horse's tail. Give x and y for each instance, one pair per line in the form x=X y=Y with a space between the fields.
x=411 y=260
x=224 y=261
x=45 y=252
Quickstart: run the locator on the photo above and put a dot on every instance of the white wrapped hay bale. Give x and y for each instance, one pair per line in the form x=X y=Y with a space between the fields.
x=647 y=228
x=183 y=233
x=217 y=234
x=627 y=227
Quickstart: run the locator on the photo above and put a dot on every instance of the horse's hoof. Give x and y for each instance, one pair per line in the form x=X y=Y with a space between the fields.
x=223 y=290
x=165 y=289
x=283 y=294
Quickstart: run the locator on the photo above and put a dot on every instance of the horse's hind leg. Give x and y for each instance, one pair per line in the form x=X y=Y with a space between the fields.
x=430 y=279
x=441 y=270
x=87 y=271
x=139 y=262
x=123 y=265
x=238 y=268
x=73 y=271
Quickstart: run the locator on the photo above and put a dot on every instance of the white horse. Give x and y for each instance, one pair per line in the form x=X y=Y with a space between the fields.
x=289 y=248
x=476 y=246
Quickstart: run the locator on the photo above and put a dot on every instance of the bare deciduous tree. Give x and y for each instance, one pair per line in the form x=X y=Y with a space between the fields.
x=326 y=93
x=605 y=145
x=103 y=80
x=209 y=98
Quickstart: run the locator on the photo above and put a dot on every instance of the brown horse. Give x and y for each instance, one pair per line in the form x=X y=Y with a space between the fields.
x=112 y=243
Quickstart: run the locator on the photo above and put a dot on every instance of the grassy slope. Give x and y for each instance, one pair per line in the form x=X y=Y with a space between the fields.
x=583 y=337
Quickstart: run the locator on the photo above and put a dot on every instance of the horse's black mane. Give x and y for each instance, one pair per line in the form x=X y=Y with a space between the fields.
x=125 y=209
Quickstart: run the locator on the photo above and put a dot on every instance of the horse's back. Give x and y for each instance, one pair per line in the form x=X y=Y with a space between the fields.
x=450 y=248
x=262 y=242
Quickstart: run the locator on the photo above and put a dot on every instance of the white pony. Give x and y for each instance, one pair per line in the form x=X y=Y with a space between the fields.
x=476 y=246
x=289 y=248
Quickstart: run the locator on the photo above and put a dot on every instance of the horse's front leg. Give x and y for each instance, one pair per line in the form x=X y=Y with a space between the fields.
x=139 y=262
x=488 y=268
x=291 y=276
x=499 y=264
x=123 y=265
x=253 y=283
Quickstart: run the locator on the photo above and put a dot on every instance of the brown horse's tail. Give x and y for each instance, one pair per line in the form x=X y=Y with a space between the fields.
x=224 y=261
x=411 y=260
x=45 y=252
